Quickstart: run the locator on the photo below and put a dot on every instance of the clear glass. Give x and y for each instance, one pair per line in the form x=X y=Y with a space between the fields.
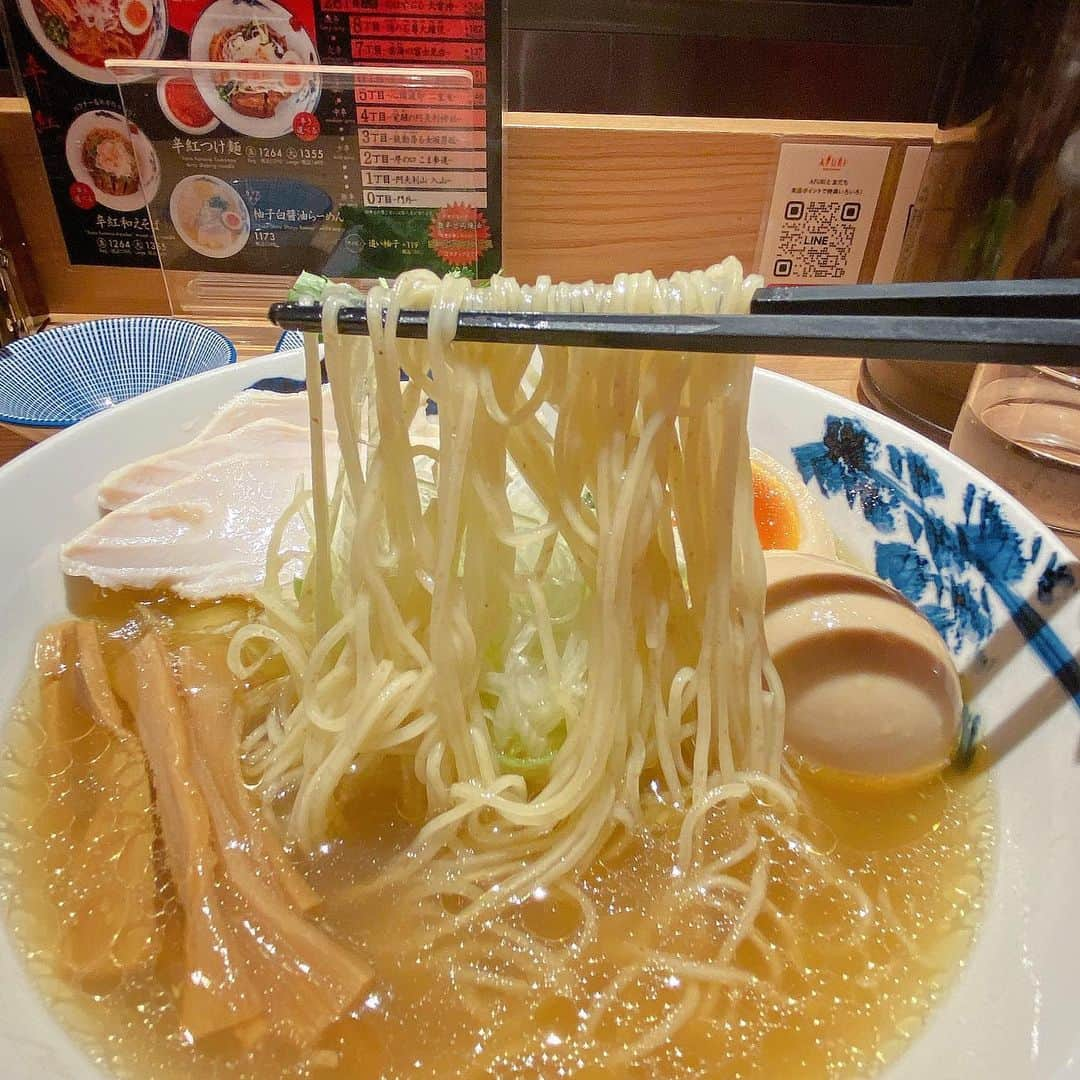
x=922 y=394
x=1021 y=427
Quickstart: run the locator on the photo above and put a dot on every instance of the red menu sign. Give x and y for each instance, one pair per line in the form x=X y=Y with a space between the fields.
x=359 y=180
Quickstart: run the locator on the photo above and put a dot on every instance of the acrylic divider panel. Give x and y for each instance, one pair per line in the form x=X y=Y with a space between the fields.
x=464 y=34
x=93 y=162
x=264 y=170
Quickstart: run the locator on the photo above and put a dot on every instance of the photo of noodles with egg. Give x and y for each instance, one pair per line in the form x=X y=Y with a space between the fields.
x=209 y=216
x=458 y=725
x=249 y=44
x=81 y=35
x=249 y=100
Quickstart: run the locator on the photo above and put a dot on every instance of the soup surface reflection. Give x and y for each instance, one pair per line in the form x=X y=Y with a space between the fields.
x=819 y=987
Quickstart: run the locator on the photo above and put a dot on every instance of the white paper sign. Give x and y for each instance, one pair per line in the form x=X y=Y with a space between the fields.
x=822 y=209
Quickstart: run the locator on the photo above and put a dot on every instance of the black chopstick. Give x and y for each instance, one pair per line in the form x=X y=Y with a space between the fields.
x=952 y=339
x=1048 y=298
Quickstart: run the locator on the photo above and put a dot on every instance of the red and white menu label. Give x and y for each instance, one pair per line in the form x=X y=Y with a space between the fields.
x=425 y=146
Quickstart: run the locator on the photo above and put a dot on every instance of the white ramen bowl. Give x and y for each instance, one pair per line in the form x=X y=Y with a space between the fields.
x=895 y=500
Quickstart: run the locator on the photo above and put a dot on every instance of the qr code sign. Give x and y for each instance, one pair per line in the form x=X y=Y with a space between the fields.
x=824 y=201
x=816 y=239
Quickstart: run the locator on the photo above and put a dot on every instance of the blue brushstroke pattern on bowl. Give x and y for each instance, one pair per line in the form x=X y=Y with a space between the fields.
x=61 y=376
x=957 y=568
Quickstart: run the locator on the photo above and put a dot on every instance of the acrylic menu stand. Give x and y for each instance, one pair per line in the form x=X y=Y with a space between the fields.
x=254 y=174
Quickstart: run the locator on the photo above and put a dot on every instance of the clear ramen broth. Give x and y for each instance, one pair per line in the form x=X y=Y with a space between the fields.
x=468 y=1007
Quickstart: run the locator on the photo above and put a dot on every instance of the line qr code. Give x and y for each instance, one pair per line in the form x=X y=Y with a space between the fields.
x=815 y=239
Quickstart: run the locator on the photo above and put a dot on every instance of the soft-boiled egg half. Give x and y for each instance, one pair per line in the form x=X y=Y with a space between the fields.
x=135 y=16
x=292 y=80
x=788 y=516
x=872 y=693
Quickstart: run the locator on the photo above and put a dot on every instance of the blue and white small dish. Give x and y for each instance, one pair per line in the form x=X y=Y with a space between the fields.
x=56 y=378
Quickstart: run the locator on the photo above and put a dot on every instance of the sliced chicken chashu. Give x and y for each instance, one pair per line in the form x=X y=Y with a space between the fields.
x=269 y=440
x=252 y=405
x=203 y=537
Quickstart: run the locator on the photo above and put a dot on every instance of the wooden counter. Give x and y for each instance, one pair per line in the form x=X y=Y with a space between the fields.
x=12 y=444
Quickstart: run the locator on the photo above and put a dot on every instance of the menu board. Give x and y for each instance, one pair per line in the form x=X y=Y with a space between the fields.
x=353 y=137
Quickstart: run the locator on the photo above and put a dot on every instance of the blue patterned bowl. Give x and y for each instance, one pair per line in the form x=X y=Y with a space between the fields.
x=290 y=339
x=58 y=377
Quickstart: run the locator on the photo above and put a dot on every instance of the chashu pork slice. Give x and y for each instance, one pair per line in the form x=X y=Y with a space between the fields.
x=207 y=535
x=269 y=438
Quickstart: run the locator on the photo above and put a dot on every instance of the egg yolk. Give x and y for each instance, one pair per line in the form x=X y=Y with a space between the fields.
x=775 y=513
x=292 y=80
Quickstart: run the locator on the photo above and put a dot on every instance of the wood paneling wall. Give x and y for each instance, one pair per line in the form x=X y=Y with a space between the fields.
x=585 y=196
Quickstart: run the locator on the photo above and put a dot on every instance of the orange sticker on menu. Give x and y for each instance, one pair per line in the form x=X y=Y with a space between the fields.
x=381 y=26
x=451 y=118
x=428 y=140
x=420 y=95
x=427 y=52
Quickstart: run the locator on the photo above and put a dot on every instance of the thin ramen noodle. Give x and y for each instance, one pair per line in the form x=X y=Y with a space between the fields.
x=517 y=725
x=564 y=671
